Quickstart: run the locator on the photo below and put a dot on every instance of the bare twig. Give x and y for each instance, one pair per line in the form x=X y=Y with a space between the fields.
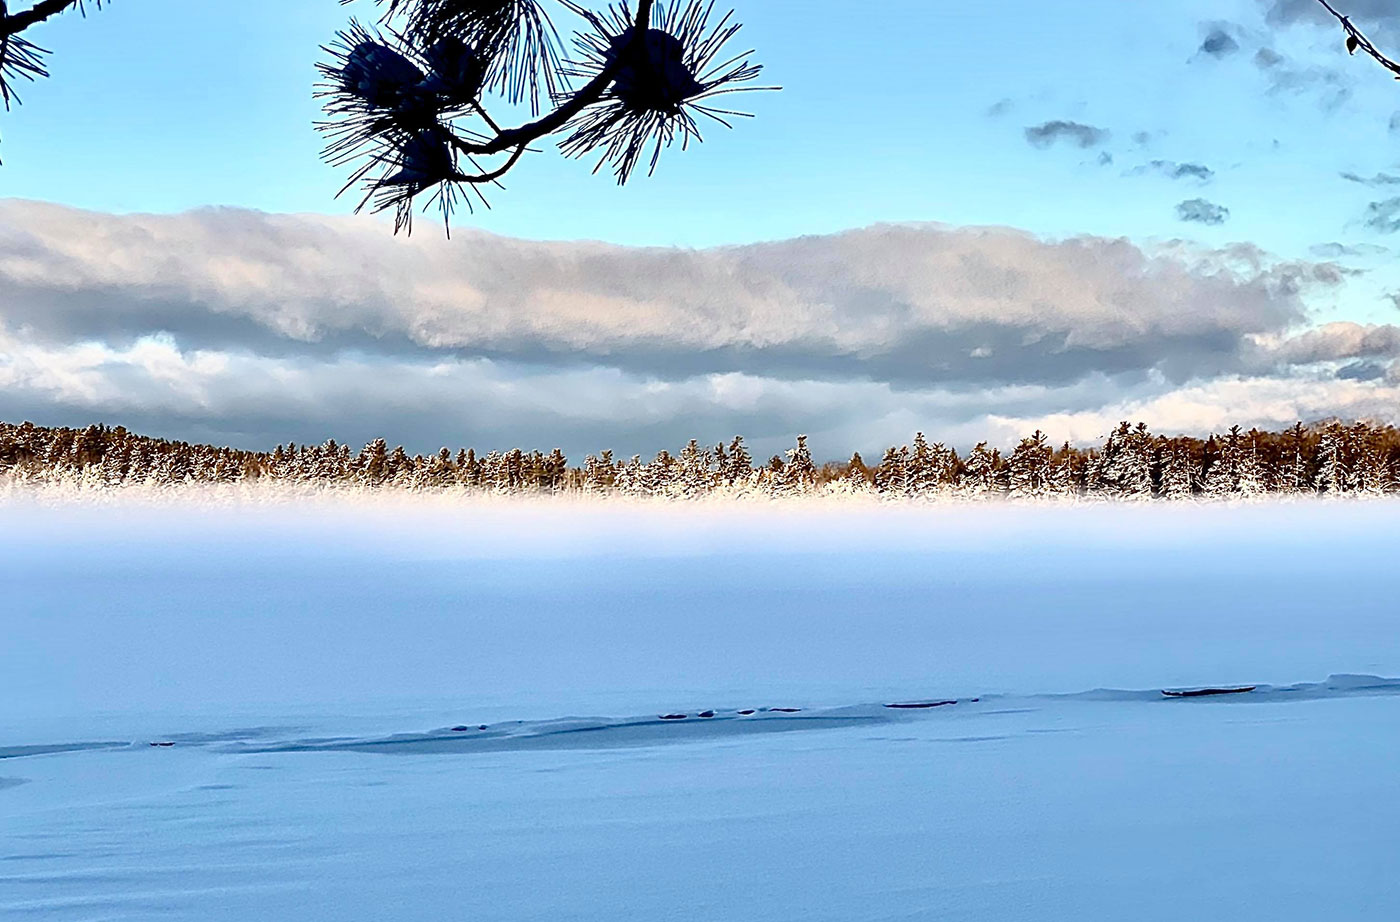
x=495 y=174
x=1357 y=41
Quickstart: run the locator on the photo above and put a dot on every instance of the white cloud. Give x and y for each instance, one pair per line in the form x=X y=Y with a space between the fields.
x=252 y=328
x=860 y=298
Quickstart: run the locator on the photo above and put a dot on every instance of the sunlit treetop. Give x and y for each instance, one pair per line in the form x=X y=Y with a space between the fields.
x=407 y=97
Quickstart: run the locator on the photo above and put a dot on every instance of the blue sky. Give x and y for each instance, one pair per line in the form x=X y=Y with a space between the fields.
x=162 y=105
x=918 y=114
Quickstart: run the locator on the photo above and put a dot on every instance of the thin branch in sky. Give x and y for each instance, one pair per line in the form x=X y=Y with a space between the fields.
x=1357 y=41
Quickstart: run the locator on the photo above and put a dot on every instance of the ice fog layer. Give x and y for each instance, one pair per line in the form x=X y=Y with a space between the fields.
x=285 y=654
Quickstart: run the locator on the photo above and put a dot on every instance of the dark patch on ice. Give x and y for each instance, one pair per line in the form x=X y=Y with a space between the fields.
x=1207 y=692
x=224 y=736
x=12 y=782
x=588 y=733
x=597 y=733
x=233 y=736
x=919 y=705
x=1336 y=686
x=602 y=733
x=21 y=752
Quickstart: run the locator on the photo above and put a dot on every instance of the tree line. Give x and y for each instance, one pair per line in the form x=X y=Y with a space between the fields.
x=1332 y=458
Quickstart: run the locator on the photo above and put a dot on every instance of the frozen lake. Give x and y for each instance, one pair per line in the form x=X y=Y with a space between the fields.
x=310 y=662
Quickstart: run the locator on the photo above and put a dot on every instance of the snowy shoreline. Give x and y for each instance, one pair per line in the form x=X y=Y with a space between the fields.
x=78 y=492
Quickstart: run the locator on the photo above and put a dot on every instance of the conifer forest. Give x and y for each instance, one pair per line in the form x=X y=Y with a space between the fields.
x=1331 y=458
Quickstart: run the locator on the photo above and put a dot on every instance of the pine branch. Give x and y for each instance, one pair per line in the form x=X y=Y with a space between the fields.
x=398 y=95
x=1357 y=41
x=15 y=23
x=21 y=59
x=548 y=124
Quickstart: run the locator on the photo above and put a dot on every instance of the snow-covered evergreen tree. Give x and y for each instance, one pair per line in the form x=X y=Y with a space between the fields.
x=1136 y=463
x=799 y=472
x=1253 y=477
x=469 y=469
x=738 y=470
x=1067 y=471
x=556 y=468
x=855 y=480
x=982 y=474
x=372 y=465
x=657 y=477
x=1334 y=474
x=1222 y=476
x=857 y=472
x=112 y=468
x=1178 y=472
x=694 y=474
x=227 y=468
x=89 y=446
x=515 y=470
x=1292 y=473
x=946 y=466
x=400 y=467
x=1030 y=468
x=1124 y=465
x=139 y=470
x=630 y=479
x=493 y=472
x=921 y=473
x=1371 y=472
x=598 y=472
x=890 y=475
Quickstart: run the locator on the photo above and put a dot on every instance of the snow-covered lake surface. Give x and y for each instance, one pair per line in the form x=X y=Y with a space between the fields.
x=324 y=671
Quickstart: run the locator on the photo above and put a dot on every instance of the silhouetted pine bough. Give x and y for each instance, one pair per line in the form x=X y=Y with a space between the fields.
x=407 y=98
x=21 y=59
x=1329 y=458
